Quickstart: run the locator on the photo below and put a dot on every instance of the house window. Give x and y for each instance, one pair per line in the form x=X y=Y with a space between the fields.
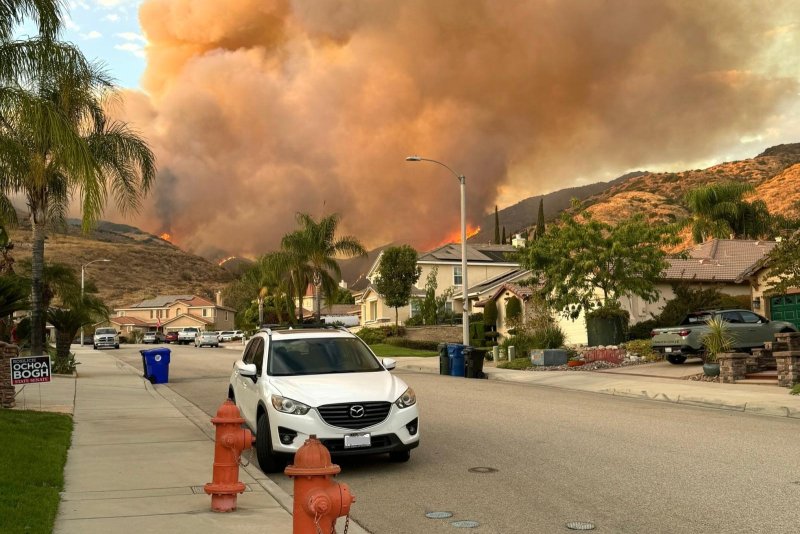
x=414 y=307
x=448 y=306
x=152 y=314
x=373 y=310
x=205 y=312
x=159 y=313
x=226 y=315
x=457 y=276
x=166 y=314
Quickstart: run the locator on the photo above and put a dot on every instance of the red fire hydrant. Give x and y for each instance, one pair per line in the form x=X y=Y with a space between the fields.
x=231 y=440
x=318 y=500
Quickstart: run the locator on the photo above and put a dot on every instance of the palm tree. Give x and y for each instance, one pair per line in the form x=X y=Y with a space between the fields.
x=719 y=210
x=269 y=277
x=14 y=293
x=67 y=321
x=56 y=141
x=314 y=248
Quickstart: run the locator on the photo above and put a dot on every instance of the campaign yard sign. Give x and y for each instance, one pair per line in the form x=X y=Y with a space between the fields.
x=30 y=370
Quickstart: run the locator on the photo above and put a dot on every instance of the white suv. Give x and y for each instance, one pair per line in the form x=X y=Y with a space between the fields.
x=291 y=383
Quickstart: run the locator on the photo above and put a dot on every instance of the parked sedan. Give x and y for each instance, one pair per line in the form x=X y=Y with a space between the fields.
x=209 y=339
x=153 y=337
x=171 y=337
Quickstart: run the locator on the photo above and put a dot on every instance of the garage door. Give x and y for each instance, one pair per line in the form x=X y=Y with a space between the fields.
x=786 y=308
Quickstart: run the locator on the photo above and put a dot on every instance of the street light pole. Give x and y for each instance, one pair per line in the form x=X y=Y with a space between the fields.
x=83 y=268
x=464 y=285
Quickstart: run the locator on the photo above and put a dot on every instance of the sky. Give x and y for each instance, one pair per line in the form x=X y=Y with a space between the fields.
x=258 y=109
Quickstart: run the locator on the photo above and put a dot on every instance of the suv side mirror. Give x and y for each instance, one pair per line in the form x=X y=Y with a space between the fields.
x=247 y=369
x=389 y=363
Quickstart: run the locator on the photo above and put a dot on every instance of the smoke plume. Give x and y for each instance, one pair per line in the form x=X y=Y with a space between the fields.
x=258 y=109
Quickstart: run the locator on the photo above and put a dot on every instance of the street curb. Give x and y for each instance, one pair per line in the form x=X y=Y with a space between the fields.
x=718 y=404
x=203 y=421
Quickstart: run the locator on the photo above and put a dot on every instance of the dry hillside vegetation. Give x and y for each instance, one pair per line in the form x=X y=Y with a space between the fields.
x=142 y=266
x=628 y=203
x=782 y=193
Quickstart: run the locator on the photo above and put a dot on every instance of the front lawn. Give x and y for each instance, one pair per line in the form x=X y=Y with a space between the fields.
x=383 y=350
x=34 y=450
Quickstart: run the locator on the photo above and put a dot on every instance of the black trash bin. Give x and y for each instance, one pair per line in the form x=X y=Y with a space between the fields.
x=474 y=357
x=444 y=360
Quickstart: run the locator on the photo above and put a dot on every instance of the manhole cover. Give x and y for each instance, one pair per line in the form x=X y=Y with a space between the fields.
x=580 y=525
x=438 y=515
x=464 y=524
x=482 y=470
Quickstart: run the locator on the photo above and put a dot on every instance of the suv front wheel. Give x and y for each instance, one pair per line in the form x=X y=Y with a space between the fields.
x=267 y=459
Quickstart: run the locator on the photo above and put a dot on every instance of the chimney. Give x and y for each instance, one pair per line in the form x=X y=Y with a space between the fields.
x=219 y=298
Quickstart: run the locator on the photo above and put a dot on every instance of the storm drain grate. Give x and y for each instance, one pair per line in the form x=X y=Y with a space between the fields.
x=482 y=470
x=580 y=525
x=464 y=524
x=438 y=515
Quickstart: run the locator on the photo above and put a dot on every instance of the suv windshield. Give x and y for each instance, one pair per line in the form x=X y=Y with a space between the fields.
x=105 y=331
x=320 y=356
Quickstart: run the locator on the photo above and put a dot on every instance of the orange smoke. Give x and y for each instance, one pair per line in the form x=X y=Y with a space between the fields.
x=258 y=109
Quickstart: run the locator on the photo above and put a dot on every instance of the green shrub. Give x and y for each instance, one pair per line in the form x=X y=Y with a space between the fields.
x=795 y=390
x=475 y=317
x=412 y=343
x=416 y=320
x=642 y=329
x=644 y=348
x=517 y=363
x=513 y=309
x=490 y=314
x=372 y=336
x=548 y=337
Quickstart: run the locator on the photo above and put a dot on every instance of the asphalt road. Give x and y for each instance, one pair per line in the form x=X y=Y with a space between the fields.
x=546 y=457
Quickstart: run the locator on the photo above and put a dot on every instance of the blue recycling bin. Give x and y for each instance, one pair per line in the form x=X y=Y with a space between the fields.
x=156 y=365
x=456 y=353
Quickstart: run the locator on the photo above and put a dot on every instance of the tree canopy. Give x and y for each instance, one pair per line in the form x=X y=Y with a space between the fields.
x=397 y=273
x=784 y=265
x=719 y=210
x=583 y=265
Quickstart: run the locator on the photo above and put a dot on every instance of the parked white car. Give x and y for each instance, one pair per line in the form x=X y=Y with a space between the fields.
x=206 y=339
x=293 y=383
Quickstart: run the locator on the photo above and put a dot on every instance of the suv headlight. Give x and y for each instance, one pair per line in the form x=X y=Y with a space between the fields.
x=408 y=398
x=282 y=404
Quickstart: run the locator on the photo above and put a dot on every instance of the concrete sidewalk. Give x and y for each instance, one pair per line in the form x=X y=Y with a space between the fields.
x=755 y=399
x=138 y=463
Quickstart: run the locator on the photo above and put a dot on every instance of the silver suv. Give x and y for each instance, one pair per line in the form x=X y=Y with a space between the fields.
x=292 y=383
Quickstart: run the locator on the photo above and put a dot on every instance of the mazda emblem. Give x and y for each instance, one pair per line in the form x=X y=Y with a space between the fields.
x=356 y=411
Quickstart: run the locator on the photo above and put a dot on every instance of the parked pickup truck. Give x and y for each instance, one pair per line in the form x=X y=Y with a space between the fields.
x=106 y=338
x=749 y=330
x=187 y=335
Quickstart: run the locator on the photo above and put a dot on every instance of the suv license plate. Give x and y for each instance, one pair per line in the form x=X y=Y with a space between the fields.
x=667 y=349
x=353 y=441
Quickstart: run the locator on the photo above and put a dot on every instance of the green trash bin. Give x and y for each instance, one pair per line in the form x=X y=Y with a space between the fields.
x=474 y=357
x=444 y=360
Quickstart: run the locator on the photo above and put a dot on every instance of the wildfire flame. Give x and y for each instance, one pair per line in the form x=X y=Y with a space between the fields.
x=455 y=237
x=166 y=237
x=222 y=261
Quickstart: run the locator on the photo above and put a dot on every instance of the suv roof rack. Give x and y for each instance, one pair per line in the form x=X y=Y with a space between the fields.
x=269 y=328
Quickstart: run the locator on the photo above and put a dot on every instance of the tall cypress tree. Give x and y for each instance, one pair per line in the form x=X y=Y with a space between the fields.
x=504 y=236
x=496 y=226
x=540 y=221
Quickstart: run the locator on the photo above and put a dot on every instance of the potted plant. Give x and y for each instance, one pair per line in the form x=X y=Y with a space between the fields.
x=717 y=340
x=575 y=361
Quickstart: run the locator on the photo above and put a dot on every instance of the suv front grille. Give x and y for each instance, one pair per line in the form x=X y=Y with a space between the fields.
x=341 y=415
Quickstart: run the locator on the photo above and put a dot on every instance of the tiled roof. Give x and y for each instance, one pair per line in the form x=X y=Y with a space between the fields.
x=495 y=281
x=475 y=253
x=129 y=321
x=718 y=260
x=523 y=292
x=160 y=301
x=198 y=301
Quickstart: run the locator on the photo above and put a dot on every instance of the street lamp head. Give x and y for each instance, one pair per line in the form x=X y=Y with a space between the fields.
x=413 y=158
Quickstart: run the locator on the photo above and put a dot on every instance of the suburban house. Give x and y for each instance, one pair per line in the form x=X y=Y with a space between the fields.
x=487 y=264
x=734 y=267
x=173 y=312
